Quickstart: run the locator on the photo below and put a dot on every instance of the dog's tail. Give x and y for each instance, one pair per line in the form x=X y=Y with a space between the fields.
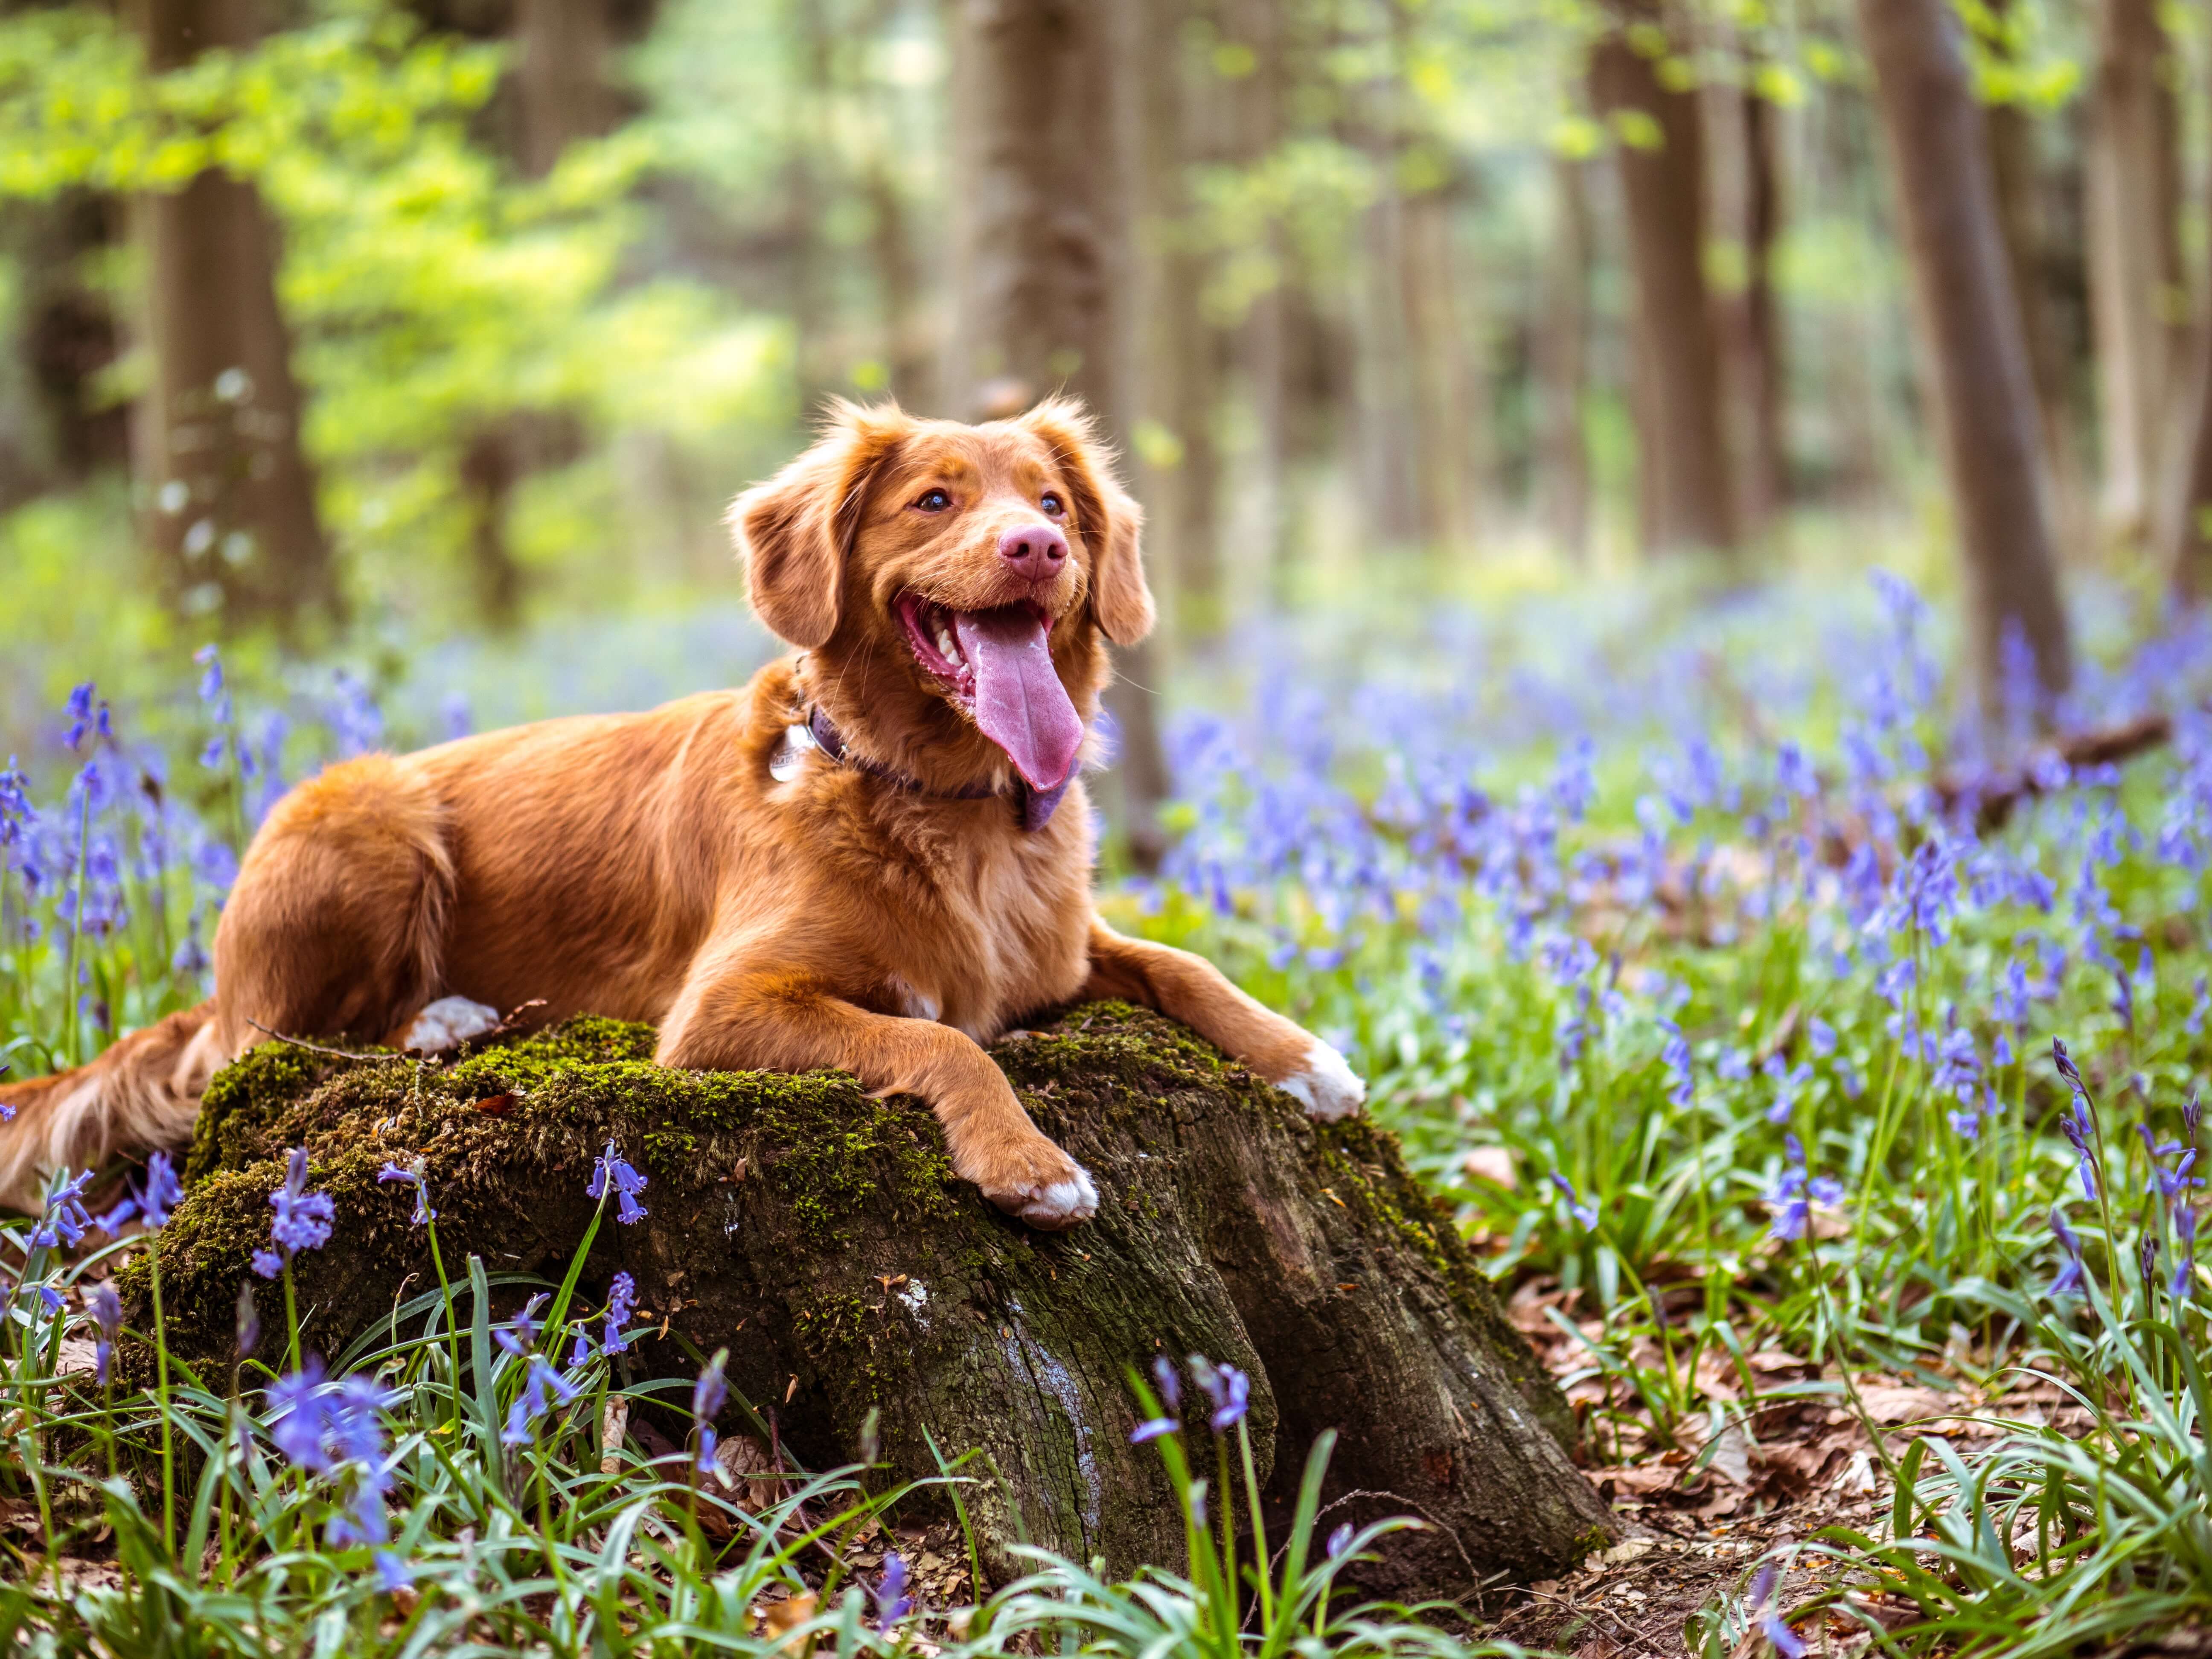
x=143 y=1093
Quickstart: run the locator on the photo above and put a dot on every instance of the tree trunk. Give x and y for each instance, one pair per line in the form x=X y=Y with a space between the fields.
x=1178 y=349
x=560 y=74
x=820 y=1236
x=2135 y=255
x=1977 y=356
x=2188 y=531
x=1043 y=145
x=1563 y=361
x=231 y=515
x=1754 y=331
x=1681 y=453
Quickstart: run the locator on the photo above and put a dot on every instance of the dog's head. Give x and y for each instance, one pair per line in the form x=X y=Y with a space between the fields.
x=952 y=580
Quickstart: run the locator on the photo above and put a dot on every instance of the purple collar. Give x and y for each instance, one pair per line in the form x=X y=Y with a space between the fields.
x=1034 y=806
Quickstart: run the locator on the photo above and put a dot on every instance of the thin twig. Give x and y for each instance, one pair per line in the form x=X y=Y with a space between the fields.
x=316 y=1047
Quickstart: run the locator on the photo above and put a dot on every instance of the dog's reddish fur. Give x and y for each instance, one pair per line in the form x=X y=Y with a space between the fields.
x=648 y=866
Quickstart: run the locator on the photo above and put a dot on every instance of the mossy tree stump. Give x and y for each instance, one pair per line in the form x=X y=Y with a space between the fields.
x=821 y=1236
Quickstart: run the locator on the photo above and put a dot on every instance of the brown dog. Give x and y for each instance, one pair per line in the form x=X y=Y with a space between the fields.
x=874 y=858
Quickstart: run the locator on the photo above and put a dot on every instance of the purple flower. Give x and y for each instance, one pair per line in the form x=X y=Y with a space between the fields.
x=2064 y=1062
x=303 y=1218
x=2080 y=1131
x=1151 y=1429
x=519 y=1334
x=1163 y=1373
x=108 y=1314
x=1795 y=1192
x=708 y=1440
x=542 y=1388
x=268 y=1263
x=893 y=1601
x=2185 y=1247
x=1339 y=1541
x=249 y=1320
x=621 y=1302
x=1821 y=1035
x=65 y=1221
x=423 y=1213
x=709 y=1393
x=1585 y=1213
x=301 y=1415
x=152 y=1203
x=2071 y=1270
x=1769 y=1624
x=392 y=1572
x=1227 y=1389
x=628 y=1183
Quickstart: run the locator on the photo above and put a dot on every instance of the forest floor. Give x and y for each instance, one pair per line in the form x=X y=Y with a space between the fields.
x=1792 y=1459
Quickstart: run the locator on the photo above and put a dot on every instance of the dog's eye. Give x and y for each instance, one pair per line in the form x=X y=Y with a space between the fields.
x=933 y=501
x=1052 y=504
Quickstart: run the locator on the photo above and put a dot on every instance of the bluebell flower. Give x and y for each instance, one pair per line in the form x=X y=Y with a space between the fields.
x=1787 y=1081
x=2081 y=1132
x=1820 y=1036
x=107 y=1315
x=413 y=1172
x=1338 y=1541
x=392 y=1572
x=1163 y=1373
x=581 y=1353
x=893 y=1600
x=628 y=1183
x=249 y=1320
x=300 y=1416
x=267 y=1263
x=303 y=1218
x=543 y=1388
x=1675 y=1055
x=709 y=1393
x=152 y=1203
x=2185 y=1247
x=1796 y=1191
x=519 y=1336
x=1765 y=1620
x=1225 y=1388
x=2071 y=1271
x=65 y=1221
x=621 y=1302
x=1585 y=1213
x=1151 y=1429
x=708 y=1440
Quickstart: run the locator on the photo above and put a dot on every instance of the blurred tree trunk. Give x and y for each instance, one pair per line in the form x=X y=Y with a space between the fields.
x=54 y=429
x=2188 y=532
x=1563 y=361
x=1263 y=342
x=231 y=509
x=1041 y=93
x=2135 y=256
x=1978 y=357
x=559 y=93
x=1753 y=330
x=907 y=348
x=1179 y=349
x=1686 y=501
x=559 y=79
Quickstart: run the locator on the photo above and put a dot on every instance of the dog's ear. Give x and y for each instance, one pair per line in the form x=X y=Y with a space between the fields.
x=1108 y=520
x=795 y=533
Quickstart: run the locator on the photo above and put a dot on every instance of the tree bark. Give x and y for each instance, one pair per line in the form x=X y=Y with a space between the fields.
x=2135 y=255
x=2188 y=530
x=819 y=1234
x=1563 y=361
x=1977 y=357
x=231 y=513
x=1042 y=144
x=1754 y=324
x=1688 y=503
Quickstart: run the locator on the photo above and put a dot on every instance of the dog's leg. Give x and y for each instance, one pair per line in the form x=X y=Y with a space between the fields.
x=1191 y=989
x=741 y=1021
x=140 y=1096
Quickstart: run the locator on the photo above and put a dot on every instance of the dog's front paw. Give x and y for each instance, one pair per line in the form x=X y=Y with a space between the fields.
x=1325 y=1085
x=446 y=1023
x=1045 y=1187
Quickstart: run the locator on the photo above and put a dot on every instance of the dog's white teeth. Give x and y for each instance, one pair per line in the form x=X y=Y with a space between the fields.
x=947 y=647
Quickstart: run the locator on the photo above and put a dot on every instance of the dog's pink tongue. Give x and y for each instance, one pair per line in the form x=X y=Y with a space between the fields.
x=1019 y=700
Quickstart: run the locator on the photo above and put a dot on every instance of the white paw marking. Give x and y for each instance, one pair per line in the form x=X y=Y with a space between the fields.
x=1063 y=1204
x=448 y=1022
x=1328 y=1088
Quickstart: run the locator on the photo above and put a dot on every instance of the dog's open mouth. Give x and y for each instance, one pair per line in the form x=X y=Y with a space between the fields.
x=997 y=667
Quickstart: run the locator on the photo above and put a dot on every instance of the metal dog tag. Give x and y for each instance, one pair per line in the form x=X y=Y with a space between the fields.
x=790 y=753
